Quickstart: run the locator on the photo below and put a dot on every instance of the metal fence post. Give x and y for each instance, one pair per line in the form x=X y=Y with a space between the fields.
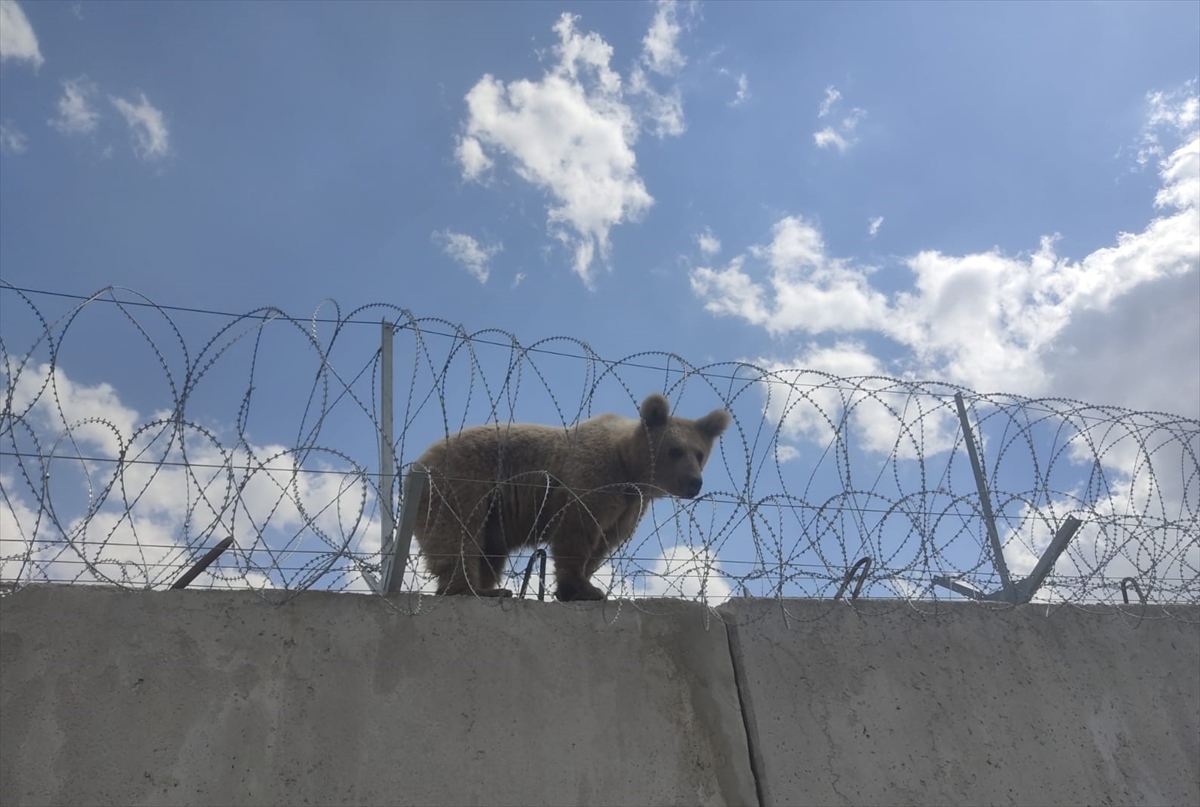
x=396 y=562
x=387 y=462
x=202 y=564
x=1023 y=591
x=985 y=501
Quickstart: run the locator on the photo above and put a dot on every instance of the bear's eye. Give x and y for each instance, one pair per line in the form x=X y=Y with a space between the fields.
x=675 y=453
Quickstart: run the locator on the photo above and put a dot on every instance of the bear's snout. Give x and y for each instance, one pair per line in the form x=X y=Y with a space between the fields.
x=691 y=486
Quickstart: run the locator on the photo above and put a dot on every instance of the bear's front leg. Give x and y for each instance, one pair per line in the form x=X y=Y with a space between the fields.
x=571 y=555
x=577 y=589
x=608 y=540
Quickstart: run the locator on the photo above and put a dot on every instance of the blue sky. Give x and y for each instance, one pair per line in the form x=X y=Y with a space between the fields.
x=999 y=195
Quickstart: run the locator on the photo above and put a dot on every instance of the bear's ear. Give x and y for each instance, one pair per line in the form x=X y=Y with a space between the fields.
x=655 y=410
x=714 y=423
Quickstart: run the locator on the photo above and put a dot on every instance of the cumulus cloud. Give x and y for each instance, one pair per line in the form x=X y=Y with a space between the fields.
x=660 y=46
x=470 y=156
x=987 y=320
x=147 y=127
x=709 y=244
x=804 y=289
x=1168 y=114
x=178 y=506
x=77 y=113
x=569 y=134
x=1032 y=323
x=680 y=571
x=572 y=132
x=12 y=140
x=785 y=453
x=663 y=110
x=467 y=252
x=874 y=225
x=17 y=39
x=801 y=401
x=1157 y=365
x=689 y=572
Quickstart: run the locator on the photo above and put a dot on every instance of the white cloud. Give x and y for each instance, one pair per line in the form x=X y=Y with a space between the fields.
x=571 y=135
x=1163 y=551
x=731 y=292
x=875 y=224
x=804 y=290
x=665 y=111
x=472 y=159
x=986 y=320
x=800 y=401
x=12 y=139
x=660 y=48
x=1168 y=113
x=76 y=112
x=809 y=403
x=709 y=243
x=743 y=90
x=681 y=571
x=688 y=572
x=257 y=493
x=467 y=252
x=94 y=413
x=828 y=137
x=518 y=280
x=841 y=135
x=17 y=39
x=572 y=132
x=16 y=526
x=742 y=93
x=1181 y=178
x=785 y=453
x=146 y=126
x=832 y=96
x=1157 y=364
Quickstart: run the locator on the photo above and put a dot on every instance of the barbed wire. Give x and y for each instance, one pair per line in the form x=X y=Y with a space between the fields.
x=132 y=441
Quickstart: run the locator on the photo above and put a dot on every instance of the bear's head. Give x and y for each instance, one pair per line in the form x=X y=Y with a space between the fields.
x=679 y=447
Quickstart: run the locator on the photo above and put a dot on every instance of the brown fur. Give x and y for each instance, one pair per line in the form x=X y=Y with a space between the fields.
x=582 y=491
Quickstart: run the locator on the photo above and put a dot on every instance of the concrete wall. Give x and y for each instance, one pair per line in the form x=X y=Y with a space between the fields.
x=194 y=697
x=885 y=705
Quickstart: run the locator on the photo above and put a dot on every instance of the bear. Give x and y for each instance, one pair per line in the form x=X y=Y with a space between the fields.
x=581 y=491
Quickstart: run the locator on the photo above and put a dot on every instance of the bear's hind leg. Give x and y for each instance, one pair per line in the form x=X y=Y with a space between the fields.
x=455 y=574
x=491 y=566
x=458 y=572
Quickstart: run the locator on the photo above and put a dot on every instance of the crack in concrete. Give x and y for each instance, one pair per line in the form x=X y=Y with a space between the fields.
x=747 y=709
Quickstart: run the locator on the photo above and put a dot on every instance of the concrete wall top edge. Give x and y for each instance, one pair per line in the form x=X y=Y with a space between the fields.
x=735 y=611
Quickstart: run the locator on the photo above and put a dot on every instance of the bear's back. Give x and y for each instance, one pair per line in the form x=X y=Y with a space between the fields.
x=584 y=453
x=489 y=446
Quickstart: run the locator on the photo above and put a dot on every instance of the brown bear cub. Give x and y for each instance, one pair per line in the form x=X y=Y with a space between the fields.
x=581 y=490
